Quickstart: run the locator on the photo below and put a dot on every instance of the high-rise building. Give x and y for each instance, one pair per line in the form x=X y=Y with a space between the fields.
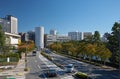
x=9 y=24
x=39 y=37
x=77 y=36
x=53 y=32
x=31 y=35
x=24 y=36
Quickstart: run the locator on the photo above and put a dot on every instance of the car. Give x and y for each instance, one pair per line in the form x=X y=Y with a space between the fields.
x=34 y=53
x=52 y=72
x=69 y=68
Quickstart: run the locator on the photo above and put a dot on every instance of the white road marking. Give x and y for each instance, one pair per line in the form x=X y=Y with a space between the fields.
x=43 y=74
x=38 y=66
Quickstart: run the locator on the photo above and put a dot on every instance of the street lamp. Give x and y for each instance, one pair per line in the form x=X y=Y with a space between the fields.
x=26 y=56
x=26 y=39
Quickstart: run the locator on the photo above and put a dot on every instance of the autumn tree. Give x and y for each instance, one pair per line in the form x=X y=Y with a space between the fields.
x=66 y=46
x=103 y=53
x=90 y=50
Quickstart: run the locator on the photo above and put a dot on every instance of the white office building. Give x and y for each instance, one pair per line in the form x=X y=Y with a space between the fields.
x=9 y=24
x=77 y=36
x=56 y=38
x=53 y=32
x=62 y=38
x=39 y=37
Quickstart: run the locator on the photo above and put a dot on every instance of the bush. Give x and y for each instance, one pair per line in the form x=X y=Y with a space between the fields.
x=47 y=56
x=81 y=75
x=26 y=69
x=14 y=57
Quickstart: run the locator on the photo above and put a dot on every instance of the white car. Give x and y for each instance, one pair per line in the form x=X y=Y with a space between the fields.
x=69 y=68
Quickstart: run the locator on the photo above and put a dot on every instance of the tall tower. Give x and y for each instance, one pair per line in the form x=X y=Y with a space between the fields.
x=39 y=37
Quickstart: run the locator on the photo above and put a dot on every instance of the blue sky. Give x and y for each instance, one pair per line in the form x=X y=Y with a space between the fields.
x=63 y=15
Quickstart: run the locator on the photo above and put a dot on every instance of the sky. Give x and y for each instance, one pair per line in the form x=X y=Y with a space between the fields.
x=63 y=15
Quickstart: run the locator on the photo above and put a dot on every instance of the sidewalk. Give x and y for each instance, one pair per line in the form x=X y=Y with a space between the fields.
x=17 y=72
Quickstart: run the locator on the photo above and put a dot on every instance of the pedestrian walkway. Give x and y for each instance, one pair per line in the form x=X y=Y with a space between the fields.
x=17 y=72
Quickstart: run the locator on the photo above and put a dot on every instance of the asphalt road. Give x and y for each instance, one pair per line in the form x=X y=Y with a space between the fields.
x=38 y=66
x=34 y=64
x=94 y=71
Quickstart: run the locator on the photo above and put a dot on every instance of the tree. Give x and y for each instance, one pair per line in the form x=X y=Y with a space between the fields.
x=72 y=50
x=66 y=46
x=113 y=43
x=56 y=46
x=2 y=39
x=103 y=53
x=90 y=50
x=80 y=50
x=96 y=36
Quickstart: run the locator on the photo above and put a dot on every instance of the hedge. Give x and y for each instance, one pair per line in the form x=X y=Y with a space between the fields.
x=14 y=57
x=47 y=56
x=82 y=75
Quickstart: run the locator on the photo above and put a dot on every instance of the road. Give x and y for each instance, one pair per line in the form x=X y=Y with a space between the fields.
x=35 y=69
x=94 y=71
x=38 y=66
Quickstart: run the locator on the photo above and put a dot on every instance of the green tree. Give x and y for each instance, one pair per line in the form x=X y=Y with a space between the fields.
x=2 y=39
x=96 y=36
x=113 y=43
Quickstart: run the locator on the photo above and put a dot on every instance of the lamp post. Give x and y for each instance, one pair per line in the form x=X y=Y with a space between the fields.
x=26 y=39
x=26 y=56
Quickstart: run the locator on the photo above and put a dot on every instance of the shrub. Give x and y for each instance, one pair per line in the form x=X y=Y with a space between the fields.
x=81 y=75
x=26 y=69
x=14 y=57
x=47 y=56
